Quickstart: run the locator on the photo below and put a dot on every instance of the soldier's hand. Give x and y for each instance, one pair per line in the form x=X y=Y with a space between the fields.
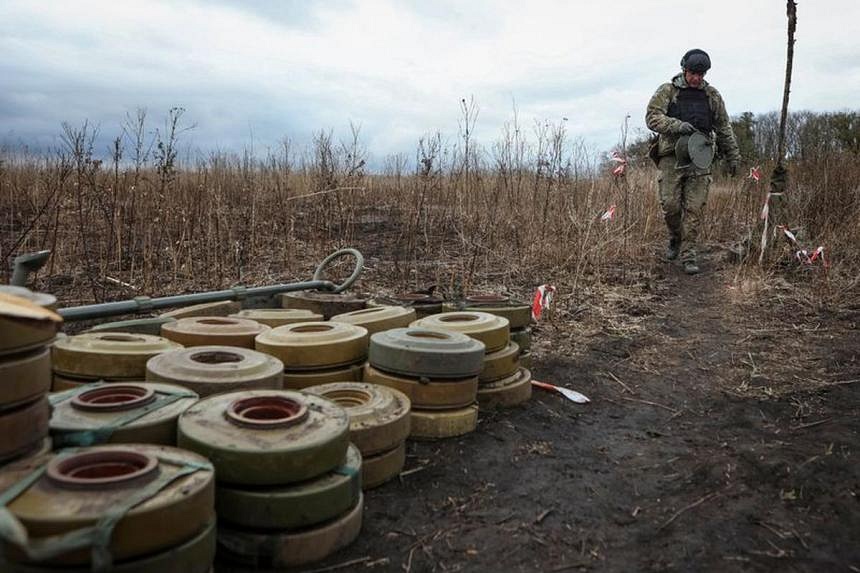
x=686 y=128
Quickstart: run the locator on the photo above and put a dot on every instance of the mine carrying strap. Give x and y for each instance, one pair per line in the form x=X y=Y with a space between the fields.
x=95 y=536
x=103 y=434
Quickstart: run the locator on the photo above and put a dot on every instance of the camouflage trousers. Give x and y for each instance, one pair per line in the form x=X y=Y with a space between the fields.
x=682 y=194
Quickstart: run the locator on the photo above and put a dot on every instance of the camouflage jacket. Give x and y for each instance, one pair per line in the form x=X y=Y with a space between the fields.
x=657 y=120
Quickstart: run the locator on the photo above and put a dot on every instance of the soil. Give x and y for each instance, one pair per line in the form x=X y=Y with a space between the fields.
x=722 y=435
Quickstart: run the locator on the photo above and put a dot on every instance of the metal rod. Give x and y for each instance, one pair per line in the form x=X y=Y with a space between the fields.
x=26 y=264
x=145 y=304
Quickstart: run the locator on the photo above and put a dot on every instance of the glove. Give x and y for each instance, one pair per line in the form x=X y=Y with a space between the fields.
x=686 y=128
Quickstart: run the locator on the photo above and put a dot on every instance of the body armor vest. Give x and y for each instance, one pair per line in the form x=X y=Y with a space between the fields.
x=692 y=106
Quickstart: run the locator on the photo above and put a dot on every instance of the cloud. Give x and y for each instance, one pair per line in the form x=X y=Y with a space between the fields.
x=400 y=68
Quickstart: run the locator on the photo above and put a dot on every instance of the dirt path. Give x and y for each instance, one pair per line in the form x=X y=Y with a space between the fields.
x=716 y=440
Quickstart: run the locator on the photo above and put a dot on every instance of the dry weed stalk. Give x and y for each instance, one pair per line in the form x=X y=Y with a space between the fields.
x=525 y=212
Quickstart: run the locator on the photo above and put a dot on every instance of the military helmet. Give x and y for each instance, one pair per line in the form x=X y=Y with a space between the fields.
x=697 y=61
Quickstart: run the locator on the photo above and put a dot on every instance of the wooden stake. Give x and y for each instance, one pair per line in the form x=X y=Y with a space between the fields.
x=791 y=12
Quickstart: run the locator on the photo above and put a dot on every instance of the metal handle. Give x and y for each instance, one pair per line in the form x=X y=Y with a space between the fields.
x=544 y=385
x=359 y=266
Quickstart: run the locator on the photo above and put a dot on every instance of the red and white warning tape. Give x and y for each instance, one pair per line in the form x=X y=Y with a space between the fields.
x=802 y=255
x=542 y=300
x=765 y=216
x=619 y=169
x=755 y=174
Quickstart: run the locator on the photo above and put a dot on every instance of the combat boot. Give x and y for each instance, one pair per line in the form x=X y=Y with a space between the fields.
x=673 y=249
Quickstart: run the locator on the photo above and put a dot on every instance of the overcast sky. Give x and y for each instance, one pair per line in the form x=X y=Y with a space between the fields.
x=258 y=71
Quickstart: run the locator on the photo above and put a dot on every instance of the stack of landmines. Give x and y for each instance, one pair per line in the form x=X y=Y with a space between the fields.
x=316 y=353
x=440 y=373
x=379 y=423
x=125 y=508
x=93 y=508
x=28 y=325
x=321 y=352
x=120 y=407
x=506 y=378
x=210 y=370
x=502 y=382
x=438 y=370
x=519 y=317
x=289 y=481
x=218 y=357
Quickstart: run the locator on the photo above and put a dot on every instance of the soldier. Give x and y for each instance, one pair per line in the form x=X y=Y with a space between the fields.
x=682 y=107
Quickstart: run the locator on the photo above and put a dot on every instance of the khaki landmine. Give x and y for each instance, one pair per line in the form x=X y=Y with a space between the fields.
x=379 y=423
x=107 y=355
x=45 y=300
x=440 y=408
x=266 y=437
x=507 y=392
x=194 y=556
x=221 y=308
x=315 y=345
x=424 y=304
x=378 y=416
x=24 y=377
x=61 y=383
x=500 y=364
x=526 y=360
x=42 y=448
x=25 y=326
x=382 y=467
x=486 y=298
x=145 y=413
x=378 y=318
x=274 y=317
x=23 y=428
x=150 y=325
x=421 y=352
x=440 y=424
x=279 y=549
x=326 y=304
x=162 y=497
x=523 y=338
x=518 y=315
x=289 y=488
x=490 y=329
x=293 y=506
x=209 y=370
x=427 y=393
x=301 y=379
x=213 y=331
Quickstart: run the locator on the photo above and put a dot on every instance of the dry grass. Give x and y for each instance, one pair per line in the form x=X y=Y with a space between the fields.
x=522 y=213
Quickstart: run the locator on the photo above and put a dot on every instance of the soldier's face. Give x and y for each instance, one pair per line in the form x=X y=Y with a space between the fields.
x=693 y=79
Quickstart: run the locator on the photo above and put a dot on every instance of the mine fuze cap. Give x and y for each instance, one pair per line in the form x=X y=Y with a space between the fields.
x=697 y=61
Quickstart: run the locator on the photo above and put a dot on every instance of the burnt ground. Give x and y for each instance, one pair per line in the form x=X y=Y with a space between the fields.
x=722 y=436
